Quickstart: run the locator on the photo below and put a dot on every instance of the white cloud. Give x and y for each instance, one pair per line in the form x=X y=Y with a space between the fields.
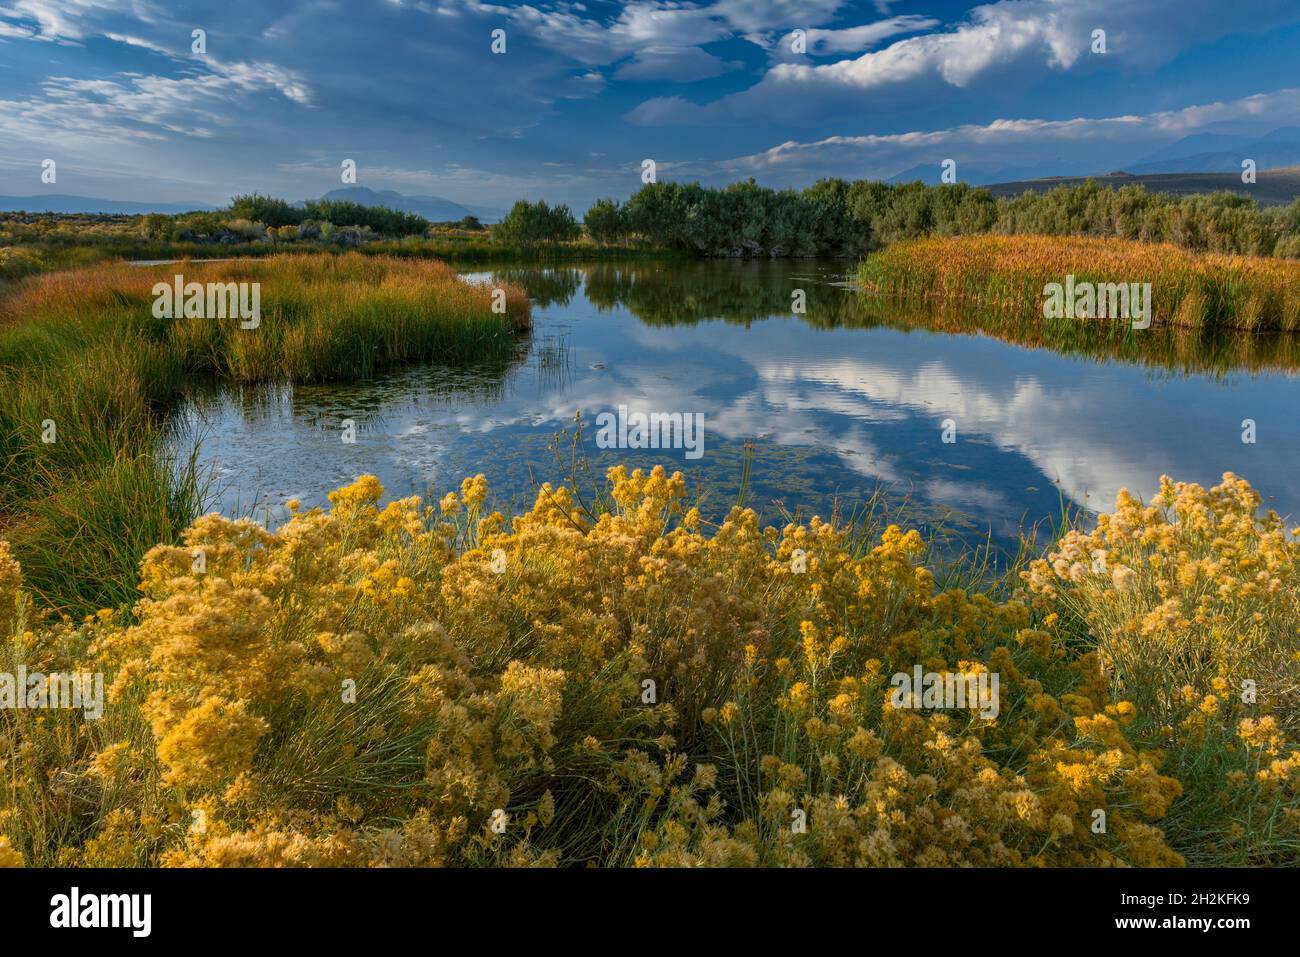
x=139 y=42
x=752 y=16
x=131 y=107
x=1026 y=37
x=885 y=154
x=663 y=38
x=822 y=42
x=59 y=21
x=675 y=64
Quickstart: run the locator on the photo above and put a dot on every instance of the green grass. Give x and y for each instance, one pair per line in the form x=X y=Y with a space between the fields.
x=82 y=354
x=478 y=247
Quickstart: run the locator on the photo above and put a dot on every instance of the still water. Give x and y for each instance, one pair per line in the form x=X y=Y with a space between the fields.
x=821 y=410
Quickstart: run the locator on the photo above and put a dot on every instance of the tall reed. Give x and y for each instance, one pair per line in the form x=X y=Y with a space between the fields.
x=1007 y=276
x=88 y=375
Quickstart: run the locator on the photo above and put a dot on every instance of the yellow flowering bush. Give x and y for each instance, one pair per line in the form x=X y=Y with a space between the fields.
x=405 y=684
x=1193 y=604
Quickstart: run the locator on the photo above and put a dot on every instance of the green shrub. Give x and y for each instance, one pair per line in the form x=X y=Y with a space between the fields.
x=379 y=219
x=605 y=222
x=530 y=224
x=266 y=210
x=16 y=262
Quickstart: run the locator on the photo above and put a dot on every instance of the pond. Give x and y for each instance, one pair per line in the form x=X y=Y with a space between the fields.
x=845 y=403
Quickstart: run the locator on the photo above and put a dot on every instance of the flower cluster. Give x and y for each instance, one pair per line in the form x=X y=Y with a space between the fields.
x=408 y=685
x=1193 y=604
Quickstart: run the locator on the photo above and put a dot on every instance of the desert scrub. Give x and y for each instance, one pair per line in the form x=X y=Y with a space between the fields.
x=82 y=354
x=1193 y=604
x=1006 y=275
x=17 y=262
x=378 y=684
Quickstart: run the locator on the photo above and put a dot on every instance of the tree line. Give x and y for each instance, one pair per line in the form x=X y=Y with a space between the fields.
x=832 y=217
x=253 y=216
x=835 y=217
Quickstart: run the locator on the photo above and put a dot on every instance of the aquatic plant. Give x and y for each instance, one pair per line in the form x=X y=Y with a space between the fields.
x=1011 y=275
x=88 y=372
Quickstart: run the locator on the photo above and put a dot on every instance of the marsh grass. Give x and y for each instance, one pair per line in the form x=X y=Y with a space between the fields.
x=83 y=350
x=1006 y=275
x=19 y=261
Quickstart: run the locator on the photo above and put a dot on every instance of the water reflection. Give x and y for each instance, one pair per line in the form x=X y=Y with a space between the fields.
x=840 y=401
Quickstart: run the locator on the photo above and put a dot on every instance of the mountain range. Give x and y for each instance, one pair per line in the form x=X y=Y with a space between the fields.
x=1198 y=153
x=1196 y=163
x=65 y=203
x=1219 y=153
x=1272 y=187
x=434 y=208
x=981 y=174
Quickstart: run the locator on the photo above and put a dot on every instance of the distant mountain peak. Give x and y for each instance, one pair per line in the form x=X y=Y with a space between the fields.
x=434 y=208
x=1278 y=186
x=1223 y=153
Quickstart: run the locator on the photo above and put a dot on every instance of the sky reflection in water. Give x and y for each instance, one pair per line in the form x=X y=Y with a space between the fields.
x=833 y=412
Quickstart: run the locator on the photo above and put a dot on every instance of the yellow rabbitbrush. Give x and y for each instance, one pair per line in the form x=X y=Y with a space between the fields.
x=399 y=685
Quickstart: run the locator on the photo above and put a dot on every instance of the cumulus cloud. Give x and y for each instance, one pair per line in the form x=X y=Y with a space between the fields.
x=411 y=84
x=1025 y=37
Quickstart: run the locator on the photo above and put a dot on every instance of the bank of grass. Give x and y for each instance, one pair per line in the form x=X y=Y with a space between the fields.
x=18 y=261
x=1006 y=276
x=88 y=375
x=630 y=687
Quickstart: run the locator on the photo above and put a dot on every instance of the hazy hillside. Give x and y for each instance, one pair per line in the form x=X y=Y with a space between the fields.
x=1218 y=153
x=1198 y=153
x=433 y=208
x=1274 y=187
x=65 y=203
x=982 y=174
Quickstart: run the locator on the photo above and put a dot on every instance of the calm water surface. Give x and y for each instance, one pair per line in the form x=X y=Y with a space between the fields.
x=828 y=407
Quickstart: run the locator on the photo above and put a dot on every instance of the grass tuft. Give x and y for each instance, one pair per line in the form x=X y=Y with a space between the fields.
x=82 y=354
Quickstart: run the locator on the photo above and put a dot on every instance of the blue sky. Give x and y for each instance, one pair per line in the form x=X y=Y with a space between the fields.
x=411 y=90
